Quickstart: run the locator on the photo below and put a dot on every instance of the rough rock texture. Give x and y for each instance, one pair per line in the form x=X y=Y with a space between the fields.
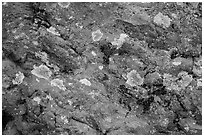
x=101 y=68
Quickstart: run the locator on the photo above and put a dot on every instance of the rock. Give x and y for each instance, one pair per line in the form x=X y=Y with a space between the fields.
x=83 y=68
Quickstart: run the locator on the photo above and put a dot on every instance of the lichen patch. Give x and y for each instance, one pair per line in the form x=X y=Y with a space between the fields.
x=42 y=71
x=162 y=20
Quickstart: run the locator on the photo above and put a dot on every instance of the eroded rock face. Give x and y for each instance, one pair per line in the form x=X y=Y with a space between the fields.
x=102 y=68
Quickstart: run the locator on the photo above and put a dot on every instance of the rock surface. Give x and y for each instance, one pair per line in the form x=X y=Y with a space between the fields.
x=99 y=68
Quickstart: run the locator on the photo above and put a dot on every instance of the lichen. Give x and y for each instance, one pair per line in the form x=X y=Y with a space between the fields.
x=37 y=99
x=42 y=71
x=170 y=82
x=186 y=79
x=64 y=4
x=134 y=78
x=19 y=78
x=42 y=55
x=97 y=35
x=177 y=83
x=119 y=41
x=58 y=83
x=163 y=20
x=53 y=31
x=85 y=82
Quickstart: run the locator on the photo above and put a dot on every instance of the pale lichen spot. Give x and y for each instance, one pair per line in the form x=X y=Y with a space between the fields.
x=199 y=82
x=21 y=35
x=176 y=63
x=163 y=20
x=134 y=78
x=4 y=3
x=120 y=40
x=85 y=82
x=42 y=55
x=64 y=4
x=19 y=78
x=97 y=35
x=42 y=71
x=58 y=83
x=100 y=67
x=186 y=79
x=64 y=119
x=37 y=80
x=35 y=43
x=179 y=3
x=93 y=94
x=5 y=81
x=70 y=102
x=179 y=61
x=93 y=53
x=53 y=31
x=123 y=36
x=70 y=84
x=37 y=99
x=174 y=15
